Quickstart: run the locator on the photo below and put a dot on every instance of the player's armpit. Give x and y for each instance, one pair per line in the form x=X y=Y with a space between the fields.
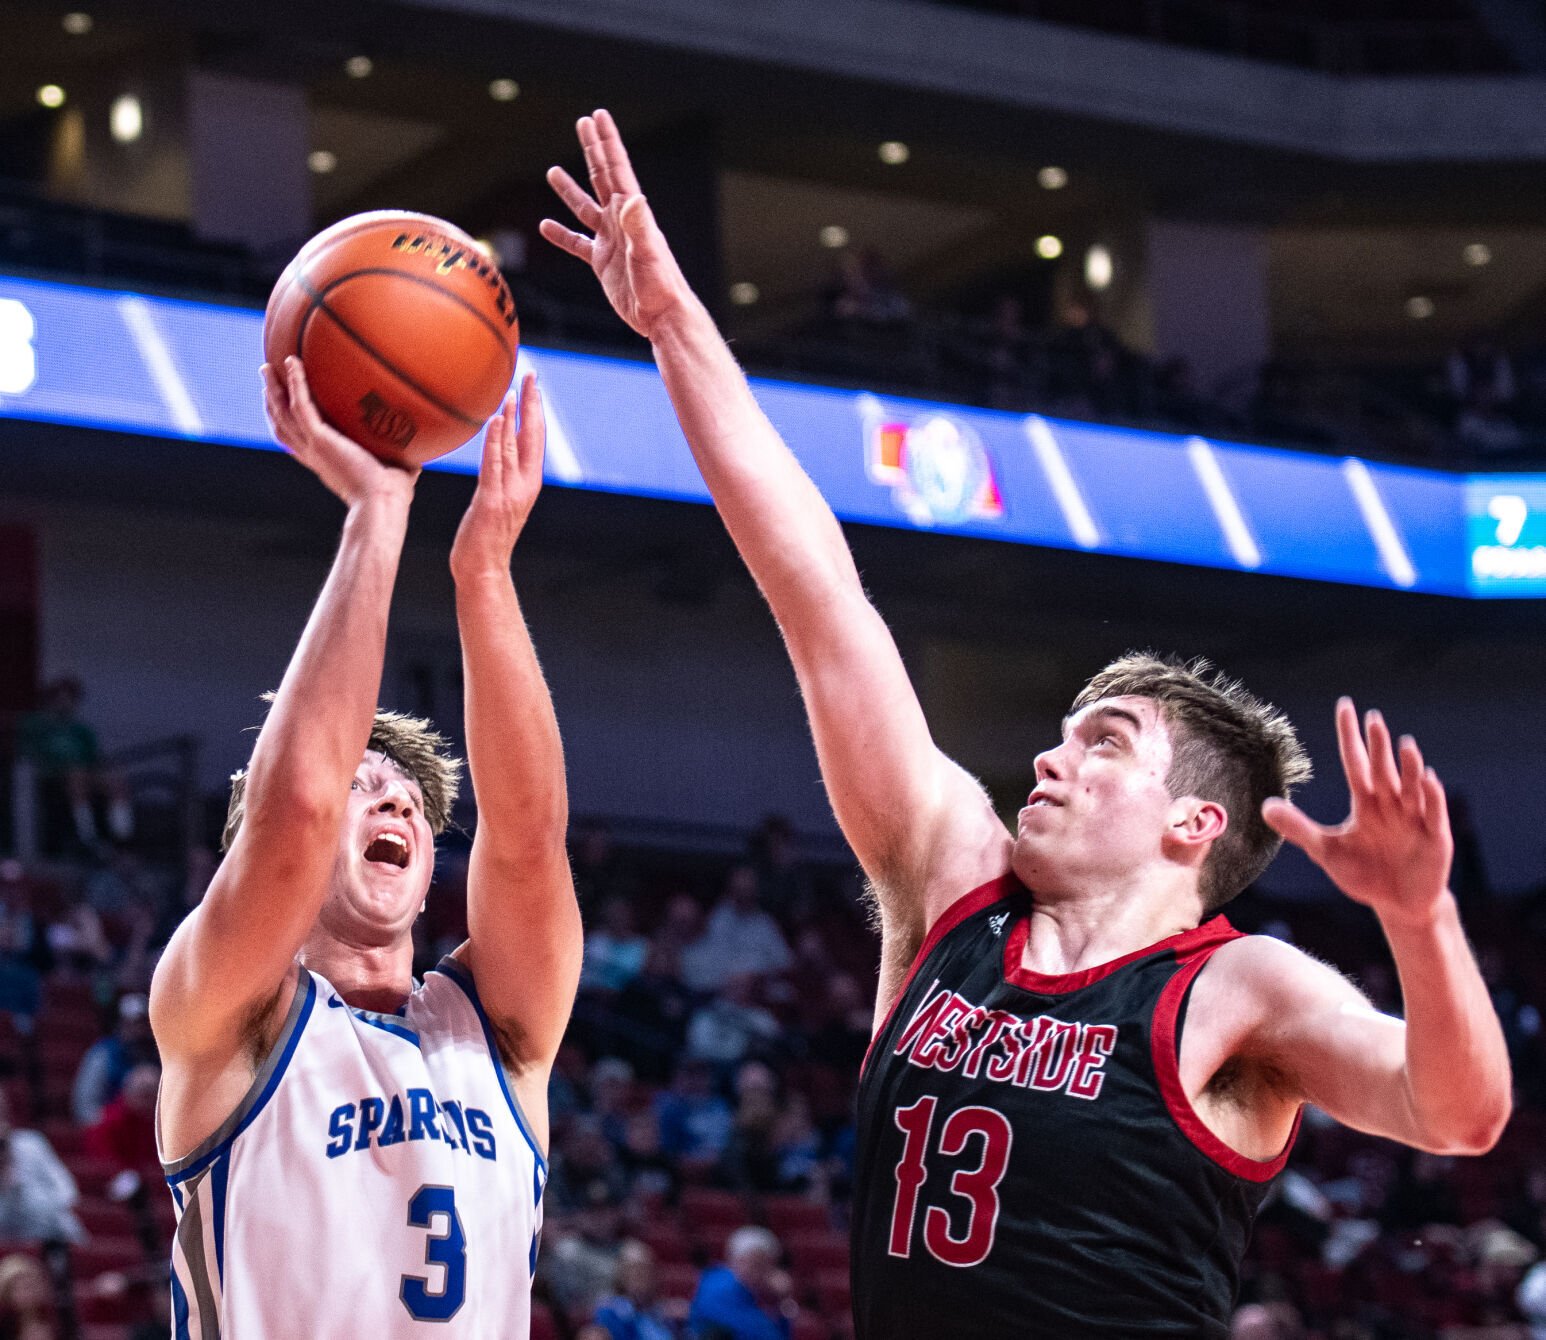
x=1319 y=1034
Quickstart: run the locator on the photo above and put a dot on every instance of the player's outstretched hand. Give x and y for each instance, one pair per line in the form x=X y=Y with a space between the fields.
x=626 y=248
x=508 y=483
x=350 y=471
x=1393 y=851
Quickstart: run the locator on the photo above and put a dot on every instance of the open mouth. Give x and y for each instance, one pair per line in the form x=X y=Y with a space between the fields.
x=1037 y=799
x=388 y=849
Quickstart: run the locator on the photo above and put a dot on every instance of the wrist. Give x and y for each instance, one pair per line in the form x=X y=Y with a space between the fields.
x=473 y=575
x=684 y=320
x=1421 y=920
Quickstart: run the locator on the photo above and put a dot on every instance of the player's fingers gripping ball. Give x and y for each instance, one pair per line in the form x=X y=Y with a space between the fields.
x=406 y=329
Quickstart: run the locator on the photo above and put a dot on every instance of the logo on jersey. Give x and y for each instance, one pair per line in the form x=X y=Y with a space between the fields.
x=377 y=1122
x=950 y=1034
x=996 y=924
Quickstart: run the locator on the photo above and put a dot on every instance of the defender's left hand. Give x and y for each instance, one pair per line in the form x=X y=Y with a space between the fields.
x=1392 y=853
x=508 y=483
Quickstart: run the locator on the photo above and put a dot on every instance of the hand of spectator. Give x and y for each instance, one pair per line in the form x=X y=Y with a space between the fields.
x=627 y=251
x=1392 y=853
x=351 y=472
x=508 y=484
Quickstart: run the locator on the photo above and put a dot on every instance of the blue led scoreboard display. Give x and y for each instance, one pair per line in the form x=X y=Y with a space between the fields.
x=129 y=362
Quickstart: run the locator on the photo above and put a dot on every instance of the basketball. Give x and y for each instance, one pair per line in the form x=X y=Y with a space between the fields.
x=406 y=329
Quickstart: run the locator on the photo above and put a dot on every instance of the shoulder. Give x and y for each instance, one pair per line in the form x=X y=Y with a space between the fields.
x=1260 y=987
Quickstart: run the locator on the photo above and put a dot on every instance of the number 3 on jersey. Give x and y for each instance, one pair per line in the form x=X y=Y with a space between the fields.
x=447 y=1248
x=977 y=1186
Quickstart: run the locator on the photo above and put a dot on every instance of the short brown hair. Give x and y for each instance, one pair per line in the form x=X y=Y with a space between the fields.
x=1229 y=747
x=410 y=742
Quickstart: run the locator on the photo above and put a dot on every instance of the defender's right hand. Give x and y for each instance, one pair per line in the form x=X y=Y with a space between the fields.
x=628 y=251
x=350 y=471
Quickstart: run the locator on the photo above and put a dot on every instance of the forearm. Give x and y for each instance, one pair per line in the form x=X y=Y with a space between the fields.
x=778 y=519
x=320 y=722
x=1457 y=1068
x=514 y=750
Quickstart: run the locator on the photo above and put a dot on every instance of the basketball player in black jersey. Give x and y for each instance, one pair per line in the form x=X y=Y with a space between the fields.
x=1083 y=1080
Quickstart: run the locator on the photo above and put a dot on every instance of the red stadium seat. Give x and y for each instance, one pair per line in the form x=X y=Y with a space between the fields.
x=105 y=1218
x=834 y=1291
x=99 y=1254
x=701 y=1206
x=543 y=1325
x=676 y=1281
x=808 y=1327
x=666 y=1239
x=811 y=1252
x=796 y=1214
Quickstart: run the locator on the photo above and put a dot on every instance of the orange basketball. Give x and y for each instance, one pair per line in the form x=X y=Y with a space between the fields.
x=406 y=329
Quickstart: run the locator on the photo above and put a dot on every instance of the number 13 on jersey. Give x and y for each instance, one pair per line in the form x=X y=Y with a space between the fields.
x=977 y=1186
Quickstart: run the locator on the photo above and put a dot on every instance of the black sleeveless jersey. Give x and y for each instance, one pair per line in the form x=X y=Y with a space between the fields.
x=1029 y=1167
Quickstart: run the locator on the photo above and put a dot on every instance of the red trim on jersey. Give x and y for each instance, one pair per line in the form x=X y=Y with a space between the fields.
x=1209 y=935
x=1167 y=1069
x=984 y=895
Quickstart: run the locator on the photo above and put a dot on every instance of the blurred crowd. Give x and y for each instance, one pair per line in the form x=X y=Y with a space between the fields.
x=702 y=1107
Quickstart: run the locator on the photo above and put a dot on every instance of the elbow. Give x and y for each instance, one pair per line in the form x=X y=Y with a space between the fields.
x=1478 y=1132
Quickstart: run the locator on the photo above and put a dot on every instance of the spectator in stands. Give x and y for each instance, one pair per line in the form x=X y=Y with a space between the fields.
x=739 y=938
x=651 y=1172
x=125 y=1134
x=747 y=1298
x=586 y=1171
x=843 y=1036
x=579 y=1263
x=67 y=761
x=731 y=1026
x=108 y=1060
x=650 y=1014
x=783 y=880
x=611 y=1097
x=80 y=947
x=864 y=292
x=599 y=873
x=24 y=952
x=1486 y=428
x=797 y=1152
x=1266 y=1321
x=37 y=1193
x=27 y=1309
x=1479 y=370
x=615 y=952
x=751 y=1162
x=1005 y=354
x=695 y=1122
x=632 y=1313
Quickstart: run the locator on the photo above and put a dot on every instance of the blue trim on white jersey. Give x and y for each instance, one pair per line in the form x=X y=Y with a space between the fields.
x=457 y=972
x=310 y=986
x=387 y=1023
x=219 y=1175
x=179 y=1310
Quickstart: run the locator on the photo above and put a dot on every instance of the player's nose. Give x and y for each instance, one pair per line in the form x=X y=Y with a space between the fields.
x=1050 y=763
x=396 y=798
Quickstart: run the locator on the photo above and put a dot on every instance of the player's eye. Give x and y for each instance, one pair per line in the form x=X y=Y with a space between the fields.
x=355 y=784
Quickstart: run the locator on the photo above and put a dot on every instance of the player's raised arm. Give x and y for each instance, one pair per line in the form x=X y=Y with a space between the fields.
x=525 y=942
x=1438 y=1080
x=922 y=828
x=234 y=954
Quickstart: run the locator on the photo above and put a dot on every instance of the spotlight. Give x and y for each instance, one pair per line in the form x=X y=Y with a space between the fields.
x=1052 y=178
x=1420 y=307
x=77 y=23
x=504 y=90
x=1477 y=254
x=894 y=153
x=322 y=161
x=744 y=294
x=1049 y=247
x=834 y=236
x=126 y=119
x=359 y=67
x=51 y=95
x=1098 y=268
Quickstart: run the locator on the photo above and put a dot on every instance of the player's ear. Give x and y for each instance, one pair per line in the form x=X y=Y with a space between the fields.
x=1195 y=821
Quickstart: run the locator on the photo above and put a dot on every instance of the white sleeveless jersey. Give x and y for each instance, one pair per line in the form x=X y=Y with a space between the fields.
x=378 y=1182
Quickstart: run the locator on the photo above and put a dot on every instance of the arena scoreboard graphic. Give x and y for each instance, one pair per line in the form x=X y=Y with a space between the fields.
x=130 y=362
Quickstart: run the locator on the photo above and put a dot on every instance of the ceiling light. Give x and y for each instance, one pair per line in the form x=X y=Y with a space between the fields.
x=1049 y=247
x=1098 y=268
x=359 y=67
x=504 y=90
x=1477 y=254
x=744 y=294
x=77 y=23
x=322 y=161
x=1419 y=308
x=1052 y=178
x=833 y=236
x=51 y=95
x=126 y=119
x=894 y=153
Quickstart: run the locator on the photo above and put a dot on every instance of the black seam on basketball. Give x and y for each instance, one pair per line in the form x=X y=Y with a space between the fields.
x=319 y=303
x=457 y=298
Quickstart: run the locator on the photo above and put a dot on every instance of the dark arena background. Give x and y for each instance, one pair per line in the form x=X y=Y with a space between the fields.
x=1212 y=326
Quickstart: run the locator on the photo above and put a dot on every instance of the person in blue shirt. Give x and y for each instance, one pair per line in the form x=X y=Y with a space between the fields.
x=632 y=1313
x=747 y=1298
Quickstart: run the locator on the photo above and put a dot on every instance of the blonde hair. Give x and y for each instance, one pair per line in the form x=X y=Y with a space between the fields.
x=1228 y=746
x=410 y=742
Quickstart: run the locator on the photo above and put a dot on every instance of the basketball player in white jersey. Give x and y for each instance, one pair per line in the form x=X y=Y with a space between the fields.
x=354 y=1153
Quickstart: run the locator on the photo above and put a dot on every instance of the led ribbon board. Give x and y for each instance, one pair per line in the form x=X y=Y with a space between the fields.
x=128 y=362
